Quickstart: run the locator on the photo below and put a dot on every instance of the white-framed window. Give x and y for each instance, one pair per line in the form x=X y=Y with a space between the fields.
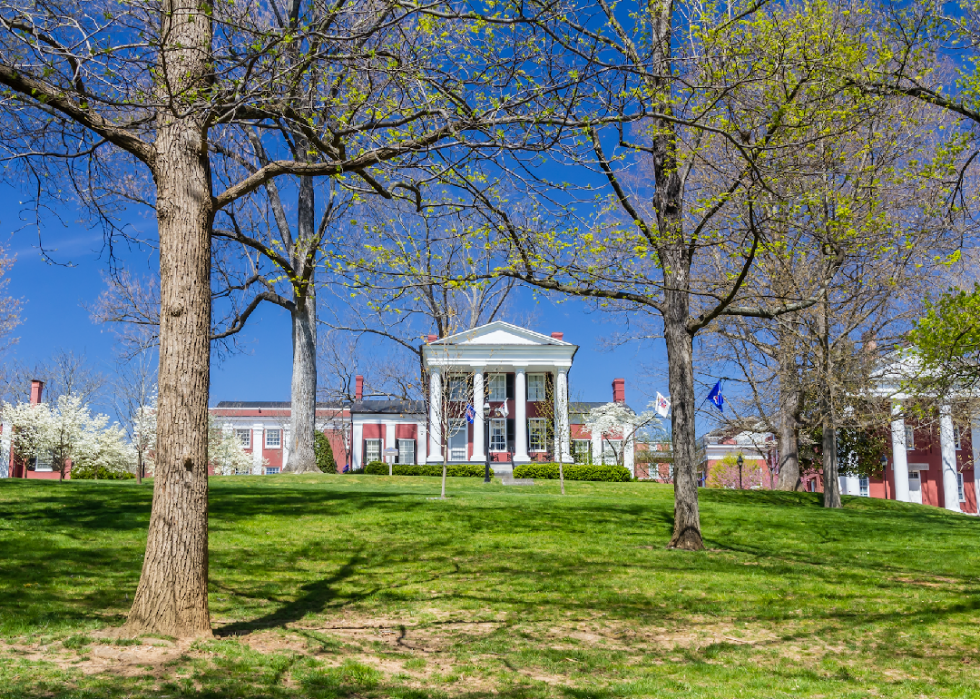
x=273 y=439
x=909 y=438
x=271 y=470
x=959 y=487
x=610 y=451
x=457 y=388
x=956 y=437
x=406 y=451
x=44 y=461
x=244 y=436
x=537 y=434
x=498 y=434
x=372 y=450
x=535 y=387
x=864 y=487
x=497 y=387
x=580 y=450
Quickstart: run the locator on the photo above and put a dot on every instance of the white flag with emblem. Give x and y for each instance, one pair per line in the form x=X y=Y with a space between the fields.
x=663 y=405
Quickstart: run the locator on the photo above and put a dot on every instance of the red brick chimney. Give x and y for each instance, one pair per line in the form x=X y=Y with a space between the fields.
x=358 y=388
x=558 y=336
x=432 y=338
x=37 y=388
x=619 y=390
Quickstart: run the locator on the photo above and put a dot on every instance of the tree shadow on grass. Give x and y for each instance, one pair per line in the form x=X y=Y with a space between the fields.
x=313 y=598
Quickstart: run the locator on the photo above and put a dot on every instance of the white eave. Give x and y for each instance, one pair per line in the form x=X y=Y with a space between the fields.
x=499 y=345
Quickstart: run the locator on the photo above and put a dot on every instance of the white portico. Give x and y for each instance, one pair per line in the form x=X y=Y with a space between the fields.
x=522 y=374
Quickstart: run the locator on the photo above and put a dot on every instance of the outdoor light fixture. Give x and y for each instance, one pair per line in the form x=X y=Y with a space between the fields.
x=884 y=462
x=740 y=461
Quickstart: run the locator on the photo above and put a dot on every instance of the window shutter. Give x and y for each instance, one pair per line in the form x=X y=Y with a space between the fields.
x=510 y=434
x=510 y=386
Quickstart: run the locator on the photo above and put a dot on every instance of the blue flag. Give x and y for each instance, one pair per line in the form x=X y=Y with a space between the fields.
x=716 y=397
x=470 y=414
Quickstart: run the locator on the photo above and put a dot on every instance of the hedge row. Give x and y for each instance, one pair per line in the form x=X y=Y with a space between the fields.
x=90 y=473
x=379 y=468
x=574 y=472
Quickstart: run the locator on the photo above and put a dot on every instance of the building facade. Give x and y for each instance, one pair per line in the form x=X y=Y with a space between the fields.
x=519 y=374
x=263 y=427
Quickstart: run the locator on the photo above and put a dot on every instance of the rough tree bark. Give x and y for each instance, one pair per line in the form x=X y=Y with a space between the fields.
x=302 y=458
x=831 y=483
x=172 y=596
x=680 y=360
x=789 y=412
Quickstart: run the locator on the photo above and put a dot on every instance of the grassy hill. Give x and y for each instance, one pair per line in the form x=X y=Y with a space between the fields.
x=336 y=586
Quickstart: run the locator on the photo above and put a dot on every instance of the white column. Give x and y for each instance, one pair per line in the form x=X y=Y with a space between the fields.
x=520 y=415
x=5 y=448
x=357 y=445
x=900 y=461
x=562 y=437
x=258 y=441
x=975 y=443
x=285 y=446
x=947 y=445
x=390 y=440
x=597 y=448
x=435 y=406
x=421 y=439
x=478 y=427
x=628 y=459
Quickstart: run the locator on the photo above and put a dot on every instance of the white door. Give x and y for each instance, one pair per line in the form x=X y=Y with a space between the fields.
x=915 y=487
x=457 y=440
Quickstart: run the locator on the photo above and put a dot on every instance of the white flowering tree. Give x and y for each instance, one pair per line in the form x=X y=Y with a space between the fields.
x=69 y=433
x=226 y=454
x=615 y=421
x=144 y=436
x=112 y=454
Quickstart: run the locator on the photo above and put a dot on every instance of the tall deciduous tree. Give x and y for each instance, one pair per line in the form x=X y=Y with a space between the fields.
x=100 y=98
x=726 y=103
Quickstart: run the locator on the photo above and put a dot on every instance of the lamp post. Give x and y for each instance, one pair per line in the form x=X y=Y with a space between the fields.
x=486 y=441
x=740 y=461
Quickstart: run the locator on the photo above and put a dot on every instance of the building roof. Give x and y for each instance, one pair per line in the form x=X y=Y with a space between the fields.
x=500 y=333
x=273 y=404
x=389 y=407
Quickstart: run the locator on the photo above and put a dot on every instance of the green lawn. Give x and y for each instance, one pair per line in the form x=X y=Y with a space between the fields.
x=364 y=586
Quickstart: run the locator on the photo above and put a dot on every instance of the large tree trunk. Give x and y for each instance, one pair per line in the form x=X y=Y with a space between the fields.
x=172 y=597
x=680 y=362
x=831 y=483
x=789 y=411
x=302 y=457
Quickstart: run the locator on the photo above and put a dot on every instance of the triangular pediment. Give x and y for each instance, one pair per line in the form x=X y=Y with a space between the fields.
x=500 y=333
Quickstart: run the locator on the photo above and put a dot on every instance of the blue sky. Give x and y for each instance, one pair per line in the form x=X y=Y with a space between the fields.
x=55 y=316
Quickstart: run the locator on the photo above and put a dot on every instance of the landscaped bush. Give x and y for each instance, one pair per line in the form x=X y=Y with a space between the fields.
x=324 y=453
x=574 y=472
x=91 y=473
x=379 y=468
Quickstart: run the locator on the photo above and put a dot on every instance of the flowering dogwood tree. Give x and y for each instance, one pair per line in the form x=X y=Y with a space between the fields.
x=617 y=421
x=226 y=454
x=144 y=437
x=69 y=433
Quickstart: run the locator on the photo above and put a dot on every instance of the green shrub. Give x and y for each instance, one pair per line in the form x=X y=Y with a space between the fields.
x=379 y=468
x=574 y=472
x=324 y=453
x=88 y=473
